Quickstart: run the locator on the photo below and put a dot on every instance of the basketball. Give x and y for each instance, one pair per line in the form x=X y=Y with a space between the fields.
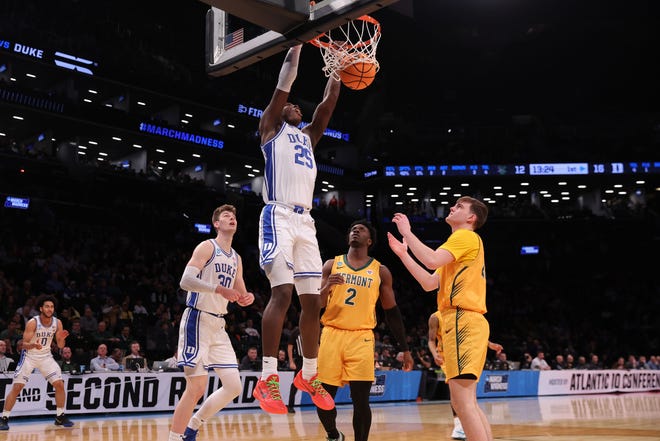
x=359 y=75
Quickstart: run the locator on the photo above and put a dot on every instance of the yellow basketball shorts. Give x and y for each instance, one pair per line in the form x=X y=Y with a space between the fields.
x=346 y=356
x=465 y=342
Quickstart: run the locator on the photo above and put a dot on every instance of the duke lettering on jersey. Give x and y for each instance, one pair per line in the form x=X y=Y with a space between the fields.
x=226 y=269
x=297 y=138
x=226 y=274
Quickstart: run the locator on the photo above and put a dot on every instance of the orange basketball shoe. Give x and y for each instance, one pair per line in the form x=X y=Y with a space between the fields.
x=268 y=394
x=314 y=388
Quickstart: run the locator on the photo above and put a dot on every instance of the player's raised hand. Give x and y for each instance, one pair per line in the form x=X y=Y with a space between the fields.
x=400 y=248
x=62 y=334
x=402 y=223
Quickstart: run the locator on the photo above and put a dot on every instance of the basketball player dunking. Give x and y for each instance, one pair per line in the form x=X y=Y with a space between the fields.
x=287 y=235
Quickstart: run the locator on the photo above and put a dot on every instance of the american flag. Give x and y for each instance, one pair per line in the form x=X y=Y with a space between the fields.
x=234 y=39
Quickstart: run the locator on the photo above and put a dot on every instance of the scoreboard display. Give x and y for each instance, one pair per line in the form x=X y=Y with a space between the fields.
x=536 y=169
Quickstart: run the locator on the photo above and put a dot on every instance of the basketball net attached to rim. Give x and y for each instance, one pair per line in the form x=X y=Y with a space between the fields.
x=349 y=51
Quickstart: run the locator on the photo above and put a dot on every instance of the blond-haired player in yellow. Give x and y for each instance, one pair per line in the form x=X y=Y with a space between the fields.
x=459 y=276
x=351 y=284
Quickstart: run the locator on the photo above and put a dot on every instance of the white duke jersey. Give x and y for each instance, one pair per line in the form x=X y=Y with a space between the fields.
x=44 y=336
x=219 y=270
x=290 y=171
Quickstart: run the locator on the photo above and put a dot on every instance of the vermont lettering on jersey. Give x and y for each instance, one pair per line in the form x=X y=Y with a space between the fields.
x=357 y=280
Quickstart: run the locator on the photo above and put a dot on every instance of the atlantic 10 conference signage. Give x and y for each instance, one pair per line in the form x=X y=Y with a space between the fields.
x=571 y=382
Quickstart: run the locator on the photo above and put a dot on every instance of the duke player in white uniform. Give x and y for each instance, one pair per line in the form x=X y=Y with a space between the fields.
x=287 y=237
x=36 y=354
x=213 y=277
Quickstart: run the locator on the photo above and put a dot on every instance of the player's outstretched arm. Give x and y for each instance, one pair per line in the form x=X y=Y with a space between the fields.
x=323 y=111
x=426 y=280
x=272 y=115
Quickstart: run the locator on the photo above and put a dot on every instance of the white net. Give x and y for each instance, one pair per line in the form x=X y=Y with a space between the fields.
x=354 y=42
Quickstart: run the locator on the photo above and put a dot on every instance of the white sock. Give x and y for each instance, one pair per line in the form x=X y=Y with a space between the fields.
x=457 y=424
x=175 y=436
x=60 y=411
x=195 y=422
x=5 y=413
x=269 y=367
x=309 y=368
x=231 y=388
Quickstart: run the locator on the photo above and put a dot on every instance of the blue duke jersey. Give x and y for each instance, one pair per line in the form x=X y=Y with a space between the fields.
x=44 y=336
x=290 y=171
x=220 y=269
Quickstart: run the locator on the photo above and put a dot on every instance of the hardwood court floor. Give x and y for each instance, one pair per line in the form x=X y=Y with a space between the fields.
x=624 y=417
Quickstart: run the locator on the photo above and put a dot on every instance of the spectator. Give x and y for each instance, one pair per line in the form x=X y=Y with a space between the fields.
x=558 y=363
x=422 y=359
x=6 y=363
x=539 y=363
x=397 y=364
x=88 y=322
x=118 y=356
x=377 y=363
x=125 y=338
x=103 y=335
x=594 y=363
x=620 y=364
x=526 y=361
x=103 y=363
x=570 y=362
x=78 y=342
x=500 y=363
x=282 y=362
x=632 y=362
x=251 y=331
x=125 y=317
x=135 y=353
x=332 y=204
x=13 y=333
x=66 y=363
x=582 y=363
x=251 y=360
x=653 y=363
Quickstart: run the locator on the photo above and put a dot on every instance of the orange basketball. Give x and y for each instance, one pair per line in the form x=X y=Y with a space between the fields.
x=359 y=75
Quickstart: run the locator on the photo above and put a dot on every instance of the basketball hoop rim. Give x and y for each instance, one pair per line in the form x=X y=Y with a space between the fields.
x=316 y=41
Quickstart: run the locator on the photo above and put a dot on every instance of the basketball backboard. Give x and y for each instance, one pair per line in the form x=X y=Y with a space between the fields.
x=284 y=23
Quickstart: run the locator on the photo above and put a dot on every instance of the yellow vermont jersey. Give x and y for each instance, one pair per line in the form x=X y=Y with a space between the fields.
x=352 y=305
x=463 y=282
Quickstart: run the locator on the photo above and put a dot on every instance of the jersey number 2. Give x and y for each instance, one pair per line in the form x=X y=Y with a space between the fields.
x=352 y=293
